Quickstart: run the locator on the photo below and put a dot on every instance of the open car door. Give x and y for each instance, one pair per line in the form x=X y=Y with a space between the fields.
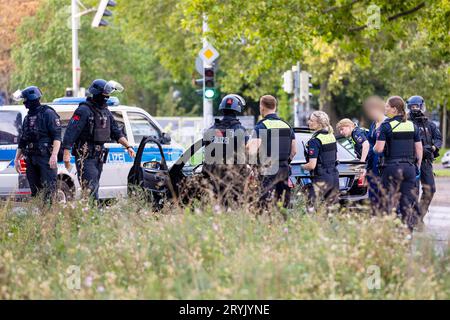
x=150 y=176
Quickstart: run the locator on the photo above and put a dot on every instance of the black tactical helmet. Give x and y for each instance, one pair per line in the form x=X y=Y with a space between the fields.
x=97 y=87
x=31 y=93
x=232 y=102
x=416 y=101
x=104 y=87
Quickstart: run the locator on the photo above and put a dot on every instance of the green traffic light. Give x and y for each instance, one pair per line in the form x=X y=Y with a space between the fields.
x=210 y=93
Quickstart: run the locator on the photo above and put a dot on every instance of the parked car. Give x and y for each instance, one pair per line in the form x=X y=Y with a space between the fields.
x=135 y=122
x=162 y=180
x=446 y=160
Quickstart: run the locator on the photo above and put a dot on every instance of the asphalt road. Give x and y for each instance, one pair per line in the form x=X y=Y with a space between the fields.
x=437 y=221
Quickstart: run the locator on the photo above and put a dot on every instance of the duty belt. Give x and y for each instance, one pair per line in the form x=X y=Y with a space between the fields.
x=36 y=148
x=95 y=151
x=394 y=161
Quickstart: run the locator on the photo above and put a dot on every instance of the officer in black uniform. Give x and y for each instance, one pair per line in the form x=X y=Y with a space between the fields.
x=225 y=149
x=358 y=136
x=39 y=143
x=400 y=143
x=274 y=144
x=432 y=142
x=91 y=126
x=321 y=157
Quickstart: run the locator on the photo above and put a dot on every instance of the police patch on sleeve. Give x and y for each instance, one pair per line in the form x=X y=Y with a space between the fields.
x=57 y=122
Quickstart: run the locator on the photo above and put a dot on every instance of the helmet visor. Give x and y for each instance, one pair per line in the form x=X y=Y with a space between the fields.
x=112 y=86
x=240 y=99
x=17 y=96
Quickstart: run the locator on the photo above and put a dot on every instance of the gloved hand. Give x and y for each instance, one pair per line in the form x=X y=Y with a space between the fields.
x=417 y=173
x=428 y=152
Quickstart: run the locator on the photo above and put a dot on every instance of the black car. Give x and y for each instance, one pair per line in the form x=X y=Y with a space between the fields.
x=163 y=180
x=352 y=183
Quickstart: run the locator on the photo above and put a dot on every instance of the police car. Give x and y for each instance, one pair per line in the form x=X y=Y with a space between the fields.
x=136 y=124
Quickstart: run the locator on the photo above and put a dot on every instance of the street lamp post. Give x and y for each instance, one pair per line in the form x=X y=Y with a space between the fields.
x=75 y=58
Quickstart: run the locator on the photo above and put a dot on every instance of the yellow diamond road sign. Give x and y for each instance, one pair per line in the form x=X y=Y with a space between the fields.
x=208 y=54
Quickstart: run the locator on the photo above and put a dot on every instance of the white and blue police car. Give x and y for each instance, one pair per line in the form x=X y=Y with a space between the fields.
x=136 y=124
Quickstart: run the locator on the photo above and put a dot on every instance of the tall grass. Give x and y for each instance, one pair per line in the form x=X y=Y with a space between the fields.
x=128 y=251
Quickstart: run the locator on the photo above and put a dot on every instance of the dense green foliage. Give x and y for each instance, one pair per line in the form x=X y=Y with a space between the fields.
x=260 y=39
x=43 y=57
x=153 y=45
x=130 y=252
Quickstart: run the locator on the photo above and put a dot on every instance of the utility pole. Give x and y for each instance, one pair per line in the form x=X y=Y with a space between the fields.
x=97 y=22
x=297 y=103
x=75 y=59
x=444 y=124
x=207 y=103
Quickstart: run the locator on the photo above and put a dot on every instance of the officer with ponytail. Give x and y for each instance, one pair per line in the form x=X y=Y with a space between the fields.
x=399 y=141
x=321 y=157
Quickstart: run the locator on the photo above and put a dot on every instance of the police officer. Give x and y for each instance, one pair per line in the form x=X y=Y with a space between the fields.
x=321 y=157
x=274 y=143
x=399 y=140
x=91 y=126
x=349 y=129
x=225 y=149
x=374 y=110
x=432 y=142
x=39 y=143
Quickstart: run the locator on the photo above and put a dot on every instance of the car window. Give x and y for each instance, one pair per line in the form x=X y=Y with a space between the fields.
x=10 y=127
x=65 y=117
x=118 y=116
x=303 y=137
x=141 y=127
x=348 y=145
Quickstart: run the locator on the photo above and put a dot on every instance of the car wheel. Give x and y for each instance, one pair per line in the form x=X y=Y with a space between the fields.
x=63 y=192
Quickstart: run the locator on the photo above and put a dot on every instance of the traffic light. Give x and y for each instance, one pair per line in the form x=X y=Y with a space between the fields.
x=198 y=83
x=288 y=82
x=305 y=86
x=102 y=11
x=210 y=88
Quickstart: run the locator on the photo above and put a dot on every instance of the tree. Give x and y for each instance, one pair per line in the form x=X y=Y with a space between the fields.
x=12 y=13
x=42 y=56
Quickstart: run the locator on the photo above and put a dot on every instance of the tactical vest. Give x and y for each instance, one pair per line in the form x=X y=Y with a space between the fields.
x=99 y=125
x=400 y=145
x=357 y=147
x=34 y=128
x=328 y=150
x=222 y=135
x=280 y=129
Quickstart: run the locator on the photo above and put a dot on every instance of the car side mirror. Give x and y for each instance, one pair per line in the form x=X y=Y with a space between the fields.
x=166 y=138
x=155 y=165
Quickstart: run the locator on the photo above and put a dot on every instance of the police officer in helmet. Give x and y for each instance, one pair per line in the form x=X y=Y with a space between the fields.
x=225 y=146
x=91 y=126
x=399 y=141
x=274 y=144
x=432 y=142
x=39 y=143
x=321 y=157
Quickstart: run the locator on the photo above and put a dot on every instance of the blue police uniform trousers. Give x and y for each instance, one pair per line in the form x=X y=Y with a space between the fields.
x=324 y=187
x=40 y=176
x=400 y=177
x=428 y=186
x=89 y=172
x=276 y=187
